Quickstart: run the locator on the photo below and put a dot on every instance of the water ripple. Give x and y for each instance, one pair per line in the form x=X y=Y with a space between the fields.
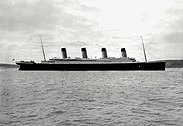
x=91 y=98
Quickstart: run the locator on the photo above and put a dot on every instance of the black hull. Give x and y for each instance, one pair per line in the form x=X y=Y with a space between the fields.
x=95 y=67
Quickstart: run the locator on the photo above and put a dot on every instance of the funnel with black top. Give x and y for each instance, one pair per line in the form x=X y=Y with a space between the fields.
x=104 y=53
x=84 y=53
x=123 y=52
x=64 y=53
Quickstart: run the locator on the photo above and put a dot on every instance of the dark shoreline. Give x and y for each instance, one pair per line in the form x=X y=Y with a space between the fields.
x=4 y=65
x=174 y=63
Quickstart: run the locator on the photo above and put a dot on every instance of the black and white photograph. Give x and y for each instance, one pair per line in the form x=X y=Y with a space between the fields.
x=91 y=62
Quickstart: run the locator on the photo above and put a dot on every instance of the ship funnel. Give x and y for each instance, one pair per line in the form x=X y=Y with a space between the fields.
x=104 y=53
x=84 y=53
x=123 y=52
x=64 y=53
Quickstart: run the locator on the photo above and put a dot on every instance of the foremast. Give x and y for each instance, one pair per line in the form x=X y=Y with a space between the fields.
x=143 y=49
x=44 y=56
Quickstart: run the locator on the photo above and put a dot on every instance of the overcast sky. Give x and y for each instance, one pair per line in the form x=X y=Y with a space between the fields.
x=93 y=24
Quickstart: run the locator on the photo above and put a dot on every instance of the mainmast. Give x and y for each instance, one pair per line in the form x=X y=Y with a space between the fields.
x=42 y=48
x=143 y=49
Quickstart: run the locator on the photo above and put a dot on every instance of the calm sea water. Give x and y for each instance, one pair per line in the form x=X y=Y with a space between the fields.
x=101 y=98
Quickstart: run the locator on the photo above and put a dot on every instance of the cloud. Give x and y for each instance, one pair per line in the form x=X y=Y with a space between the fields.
x=174 y=38
x=50 y=15
x=24 y=15
x=91 y=23
x=61 y=22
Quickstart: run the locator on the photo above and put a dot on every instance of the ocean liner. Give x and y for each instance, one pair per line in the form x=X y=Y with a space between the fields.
x=85 y=64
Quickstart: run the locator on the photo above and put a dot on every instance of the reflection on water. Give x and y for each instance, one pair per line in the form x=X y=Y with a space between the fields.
x=91 y=98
